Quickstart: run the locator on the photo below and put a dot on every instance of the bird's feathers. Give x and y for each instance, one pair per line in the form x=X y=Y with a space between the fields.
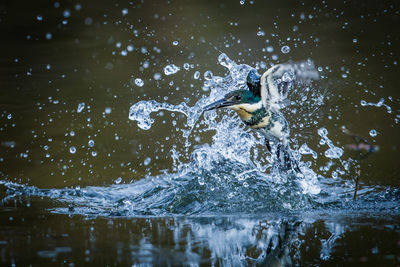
x=277 y=82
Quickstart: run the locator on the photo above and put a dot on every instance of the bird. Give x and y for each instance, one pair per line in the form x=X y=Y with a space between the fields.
x=271 y=124
x=259 y=106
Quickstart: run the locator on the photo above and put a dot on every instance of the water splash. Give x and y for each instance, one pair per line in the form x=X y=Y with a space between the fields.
x=234 y=166
x=333 y=152
x=380 y=103
x=140 y=112
x=234 y=173
x=237 y=160
x=305 y=150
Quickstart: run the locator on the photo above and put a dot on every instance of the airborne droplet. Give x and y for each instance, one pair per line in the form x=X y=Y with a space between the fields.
x=72 y=150
x=171 y=69
x=285 y=49
x=139 y=82
x=373 y=133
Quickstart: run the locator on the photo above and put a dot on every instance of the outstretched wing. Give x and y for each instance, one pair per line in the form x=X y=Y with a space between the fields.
x=277 y=82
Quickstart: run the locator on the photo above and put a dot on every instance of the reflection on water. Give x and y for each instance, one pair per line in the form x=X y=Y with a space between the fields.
x=271 y=239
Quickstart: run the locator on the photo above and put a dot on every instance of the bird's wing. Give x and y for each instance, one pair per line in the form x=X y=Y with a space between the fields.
x=277 y=81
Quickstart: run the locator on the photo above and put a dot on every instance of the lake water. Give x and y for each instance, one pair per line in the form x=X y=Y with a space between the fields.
x=106 y=157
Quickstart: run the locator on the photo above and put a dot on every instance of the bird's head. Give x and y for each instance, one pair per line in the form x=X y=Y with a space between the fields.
x=254 y=82
x=235 y=100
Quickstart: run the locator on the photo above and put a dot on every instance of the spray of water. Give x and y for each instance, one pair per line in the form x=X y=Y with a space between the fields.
x=234 y=173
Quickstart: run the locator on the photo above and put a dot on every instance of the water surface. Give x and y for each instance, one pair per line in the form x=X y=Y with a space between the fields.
x=85 y=180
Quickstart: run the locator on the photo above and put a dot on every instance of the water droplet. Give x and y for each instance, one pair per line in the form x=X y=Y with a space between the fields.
x=260 y=33
x=270 y=49
x=107 y=110
x=49 y=36
x=285 y=49
x=94 y=153
x=147 y=161
x=130 y=48
x=124 y=12
x=208 y=75
x=157 y=76
x=334 y=153
x=81 y=106
x=91 y=143
x=48 y=67
x=66 y=13
x=186 y=66
x=373 y=133
x=196 y=75
x=9 y=116
x=139 y=82
x=175 y=42
x=118 y=180
x=72 y=133
x=355 y=40
x=242 y=2
x=171 y=69
x=88 y=21
x=39 y=18
x=72 y=150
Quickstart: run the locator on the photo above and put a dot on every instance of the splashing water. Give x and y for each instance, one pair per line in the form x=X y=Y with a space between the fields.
x=234 y=162
x=140 y=112
x=333 y=152
x=234 y=173
x=380 y=103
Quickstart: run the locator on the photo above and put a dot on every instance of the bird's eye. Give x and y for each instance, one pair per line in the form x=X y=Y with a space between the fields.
x=238 y=97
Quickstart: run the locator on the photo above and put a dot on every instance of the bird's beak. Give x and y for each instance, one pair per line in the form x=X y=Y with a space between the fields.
x=218 y=104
